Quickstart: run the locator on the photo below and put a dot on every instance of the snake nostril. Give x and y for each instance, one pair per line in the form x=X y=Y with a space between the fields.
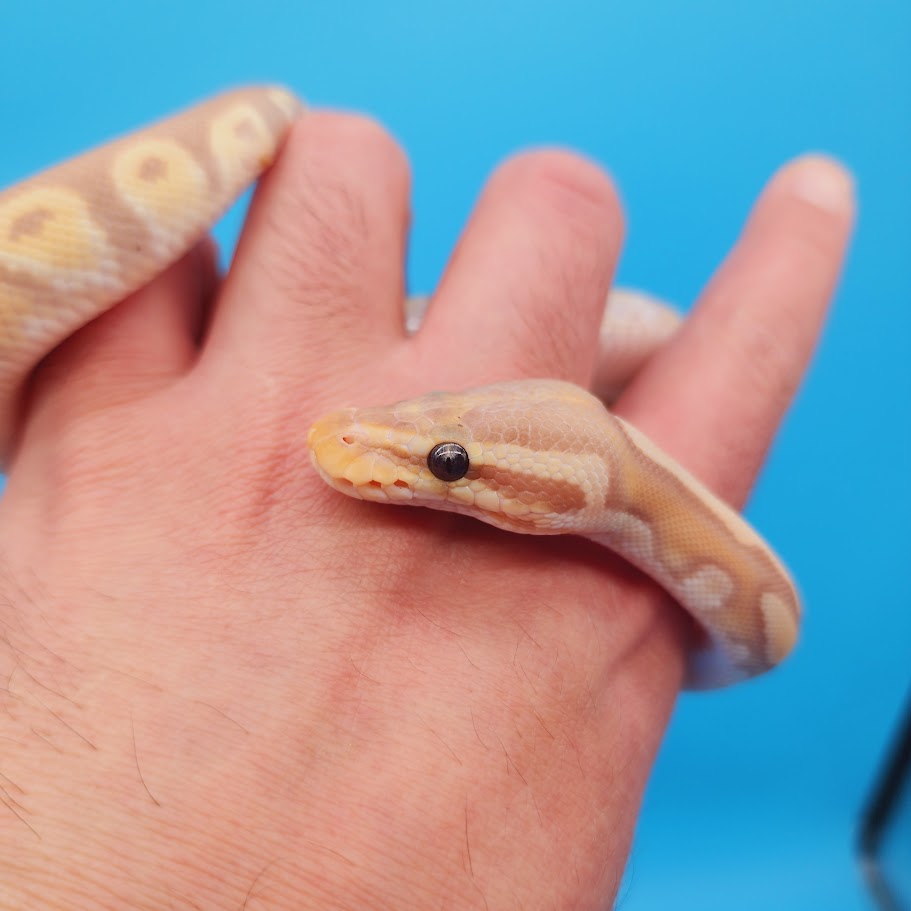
x=348 y=441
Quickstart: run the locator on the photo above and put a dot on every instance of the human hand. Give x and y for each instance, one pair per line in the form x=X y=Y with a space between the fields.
x=228 y=687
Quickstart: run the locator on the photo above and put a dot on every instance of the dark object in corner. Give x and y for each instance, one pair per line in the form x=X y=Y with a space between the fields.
x=886 y=823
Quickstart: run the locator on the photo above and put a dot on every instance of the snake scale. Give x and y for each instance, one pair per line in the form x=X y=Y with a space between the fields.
x=531 y=456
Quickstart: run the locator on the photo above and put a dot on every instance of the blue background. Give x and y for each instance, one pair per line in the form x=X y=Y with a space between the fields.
x=691 y=105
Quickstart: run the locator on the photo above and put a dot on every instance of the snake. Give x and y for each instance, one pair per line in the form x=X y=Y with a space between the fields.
x=532 y=456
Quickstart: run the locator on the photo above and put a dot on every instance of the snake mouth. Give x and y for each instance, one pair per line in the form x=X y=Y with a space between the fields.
x=341 y=450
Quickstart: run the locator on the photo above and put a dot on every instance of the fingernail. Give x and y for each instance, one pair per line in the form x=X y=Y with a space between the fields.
x=823 y=182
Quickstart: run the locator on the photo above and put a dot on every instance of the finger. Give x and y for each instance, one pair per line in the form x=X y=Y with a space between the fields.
x=736 y=362
x=525 y=290
x=318 y=273
x=143 y=342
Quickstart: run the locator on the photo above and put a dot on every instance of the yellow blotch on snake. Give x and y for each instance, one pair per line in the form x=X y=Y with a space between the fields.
x=161 y=181
x=49 y=232
x=242 y=142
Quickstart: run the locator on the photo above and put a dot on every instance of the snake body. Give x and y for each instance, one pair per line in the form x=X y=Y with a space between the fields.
x=78 y=238
x=543 y=457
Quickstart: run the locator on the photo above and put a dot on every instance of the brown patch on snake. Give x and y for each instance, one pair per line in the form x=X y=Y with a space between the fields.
x=562 y=497
x=30 y=225
x=153 y=169
x=246 y=130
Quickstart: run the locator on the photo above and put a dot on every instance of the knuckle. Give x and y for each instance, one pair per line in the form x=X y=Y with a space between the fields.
x=341 y=175
x=568 y=183
x=770 y=363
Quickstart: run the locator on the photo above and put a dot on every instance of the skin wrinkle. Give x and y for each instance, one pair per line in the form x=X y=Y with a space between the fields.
x=36 y=709
x=593 y=776
x=577 y=181
x=579 y=202
x=556 y=346
x=117 y=372
x=339 y=227
x=510 y=307
x=766 y=352
x=762 y=350
x=343 y=226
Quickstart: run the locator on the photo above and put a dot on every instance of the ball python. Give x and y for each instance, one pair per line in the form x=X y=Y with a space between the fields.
x=530 y=456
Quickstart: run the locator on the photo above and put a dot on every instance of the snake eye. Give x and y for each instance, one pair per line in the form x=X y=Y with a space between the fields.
x=448 y=461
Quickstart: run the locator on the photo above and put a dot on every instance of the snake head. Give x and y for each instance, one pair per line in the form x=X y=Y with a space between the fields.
x=504 y=464
x=376 y=454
